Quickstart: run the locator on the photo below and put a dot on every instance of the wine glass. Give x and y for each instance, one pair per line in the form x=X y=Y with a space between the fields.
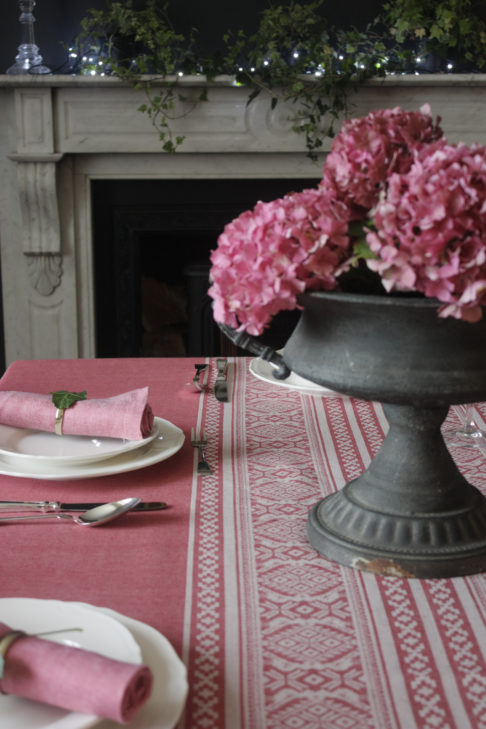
x=469 y=434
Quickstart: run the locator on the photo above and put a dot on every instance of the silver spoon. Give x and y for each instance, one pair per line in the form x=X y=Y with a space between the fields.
x=92 y=517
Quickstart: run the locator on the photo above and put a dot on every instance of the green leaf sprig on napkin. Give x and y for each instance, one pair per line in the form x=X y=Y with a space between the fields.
x=63 y=399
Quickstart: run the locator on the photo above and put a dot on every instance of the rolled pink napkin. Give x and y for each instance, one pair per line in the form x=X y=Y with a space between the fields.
x=74 y=679
x=128 y=415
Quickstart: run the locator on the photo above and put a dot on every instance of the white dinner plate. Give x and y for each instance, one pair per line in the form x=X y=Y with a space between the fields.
x=21 y=445
x=264 y=370
x=100 y=633
x=169 y=693
x=167 y=442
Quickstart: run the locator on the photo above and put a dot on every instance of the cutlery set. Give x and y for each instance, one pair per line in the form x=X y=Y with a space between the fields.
x=200 y=442
x=201 y=386
x=220 y=385
x=93 y=514
x=56 y=506
x=100 y=514
x=220 y=390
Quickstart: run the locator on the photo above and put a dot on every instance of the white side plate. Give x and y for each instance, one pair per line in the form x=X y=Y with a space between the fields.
x=263 y=370
x=101 y=633
x=165 y=706
x=109 y=633
x=166 y=443
x=21 y=445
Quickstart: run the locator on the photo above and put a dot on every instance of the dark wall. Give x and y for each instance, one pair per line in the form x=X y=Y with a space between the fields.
x=58 y=21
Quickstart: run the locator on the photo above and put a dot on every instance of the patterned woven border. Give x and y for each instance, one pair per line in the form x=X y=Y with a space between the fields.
x=278 y=637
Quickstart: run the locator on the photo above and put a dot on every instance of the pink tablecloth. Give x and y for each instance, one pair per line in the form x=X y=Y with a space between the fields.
x=274 y=636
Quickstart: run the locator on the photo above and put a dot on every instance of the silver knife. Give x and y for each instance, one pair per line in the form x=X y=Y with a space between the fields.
x=220 y=385
x=47 y=506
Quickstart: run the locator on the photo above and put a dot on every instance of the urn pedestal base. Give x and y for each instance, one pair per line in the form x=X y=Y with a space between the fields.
x=411 y=513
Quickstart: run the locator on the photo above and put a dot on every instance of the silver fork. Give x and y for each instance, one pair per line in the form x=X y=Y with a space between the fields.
x=200 y=442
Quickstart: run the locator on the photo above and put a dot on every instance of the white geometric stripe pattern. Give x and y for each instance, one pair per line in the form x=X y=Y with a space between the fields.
x=204 y=707
x=306 y=643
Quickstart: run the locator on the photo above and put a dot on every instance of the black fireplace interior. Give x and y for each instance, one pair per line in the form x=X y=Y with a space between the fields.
x=152 y=240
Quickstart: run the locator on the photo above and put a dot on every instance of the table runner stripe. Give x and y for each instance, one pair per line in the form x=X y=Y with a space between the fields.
x=439 y=652
x=380 y=672
x=472 y=591
x=204 y=640
x=231 y=527
x=325 y=460
x=251 y=687
x=291 y=609
x=465 y=633
x=308 y=643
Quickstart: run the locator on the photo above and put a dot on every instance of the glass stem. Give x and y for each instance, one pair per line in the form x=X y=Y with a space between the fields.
x=469 y=427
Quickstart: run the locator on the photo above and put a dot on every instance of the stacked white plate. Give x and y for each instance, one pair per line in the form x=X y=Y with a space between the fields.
x=43 y=455
x=111 y=634
x=264 y=370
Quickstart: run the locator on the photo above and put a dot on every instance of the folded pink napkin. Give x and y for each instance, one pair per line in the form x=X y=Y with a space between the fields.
x=74 y=679
x=128 y=415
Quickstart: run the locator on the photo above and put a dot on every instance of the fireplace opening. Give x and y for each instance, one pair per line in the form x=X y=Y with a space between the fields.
x=152 y=240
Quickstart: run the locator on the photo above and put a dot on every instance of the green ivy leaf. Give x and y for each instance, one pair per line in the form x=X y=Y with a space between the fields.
x=63 y=399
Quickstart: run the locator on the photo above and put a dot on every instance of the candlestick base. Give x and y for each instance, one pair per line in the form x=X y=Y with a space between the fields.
x=28 y=60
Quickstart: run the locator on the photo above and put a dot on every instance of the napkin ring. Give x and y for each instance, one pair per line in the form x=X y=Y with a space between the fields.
x=58 y=421
x=5 y=643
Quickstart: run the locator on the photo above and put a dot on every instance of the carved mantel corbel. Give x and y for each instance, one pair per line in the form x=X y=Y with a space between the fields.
x=36 y=160
x=41 y=231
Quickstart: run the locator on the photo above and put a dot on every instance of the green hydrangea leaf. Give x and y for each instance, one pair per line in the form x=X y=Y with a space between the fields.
x=361 y=249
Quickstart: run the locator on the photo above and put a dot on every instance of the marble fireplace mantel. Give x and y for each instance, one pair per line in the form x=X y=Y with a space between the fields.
x=58 y=133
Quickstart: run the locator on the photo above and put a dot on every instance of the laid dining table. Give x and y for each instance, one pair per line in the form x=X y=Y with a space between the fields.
x=269 y=634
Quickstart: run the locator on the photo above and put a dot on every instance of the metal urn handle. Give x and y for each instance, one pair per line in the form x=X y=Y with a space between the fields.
x=246 y=341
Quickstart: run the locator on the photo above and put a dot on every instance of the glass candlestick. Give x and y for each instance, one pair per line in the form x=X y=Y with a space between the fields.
x=28 y=59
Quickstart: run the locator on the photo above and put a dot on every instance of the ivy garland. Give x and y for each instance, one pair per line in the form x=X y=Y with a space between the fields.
x=450 y=30
x=294 y=56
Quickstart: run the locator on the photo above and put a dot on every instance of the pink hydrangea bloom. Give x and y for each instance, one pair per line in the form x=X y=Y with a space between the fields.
x=368 y=150
x=269 y=255
x=431 y=229
x=425 y=197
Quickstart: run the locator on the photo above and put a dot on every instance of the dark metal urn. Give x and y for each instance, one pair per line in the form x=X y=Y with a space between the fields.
x=411 y=513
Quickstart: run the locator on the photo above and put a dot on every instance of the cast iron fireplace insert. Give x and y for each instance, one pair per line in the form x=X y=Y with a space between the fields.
x=152 y=240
